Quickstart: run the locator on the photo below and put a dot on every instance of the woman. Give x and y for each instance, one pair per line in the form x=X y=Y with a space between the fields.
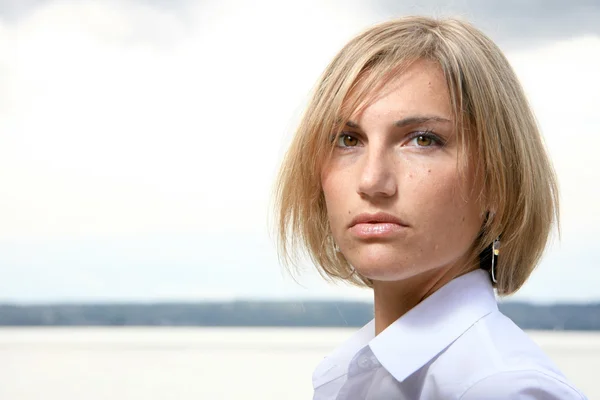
x=418 y=171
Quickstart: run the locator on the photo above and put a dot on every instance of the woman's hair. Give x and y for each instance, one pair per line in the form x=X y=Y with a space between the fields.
x=496 y=132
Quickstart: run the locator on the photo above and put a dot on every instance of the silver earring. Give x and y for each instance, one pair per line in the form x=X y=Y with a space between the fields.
x=336 y=248
x=495 y=253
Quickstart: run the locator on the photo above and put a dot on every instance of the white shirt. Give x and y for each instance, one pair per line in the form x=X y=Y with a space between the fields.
x=455 y=344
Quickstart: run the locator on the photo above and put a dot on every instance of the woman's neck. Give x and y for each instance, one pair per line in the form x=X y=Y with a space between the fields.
x=393 y=299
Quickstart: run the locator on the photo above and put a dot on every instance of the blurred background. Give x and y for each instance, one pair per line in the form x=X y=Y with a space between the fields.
x=139 y=141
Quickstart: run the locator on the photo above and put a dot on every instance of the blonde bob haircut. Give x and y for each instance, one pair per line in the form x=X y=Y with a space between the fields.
x=496 y=132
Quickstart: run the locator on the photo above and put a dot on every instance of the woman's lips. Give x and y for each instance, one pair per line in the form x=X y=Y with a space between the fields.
x=376 y=230
x=376 y=225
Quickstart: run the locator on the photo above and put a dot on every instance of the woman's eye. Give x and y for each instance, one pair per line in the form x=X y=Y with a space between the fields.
x=347 y=141
x=424 y=141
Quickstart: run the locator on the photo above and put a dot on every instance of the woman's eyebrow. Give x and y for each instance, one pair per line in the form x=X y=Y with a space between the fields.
x=413 y=120
x=420 y=120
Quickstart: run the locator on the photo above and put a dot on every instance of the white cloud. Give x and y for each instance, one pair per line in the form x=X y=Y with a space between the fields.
x=120 y=121
x=125 y=119
x=563 y=85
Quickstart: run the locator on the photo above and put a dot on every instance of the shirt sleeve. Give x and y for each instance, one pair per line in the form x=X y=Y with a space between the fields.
x=522 y=385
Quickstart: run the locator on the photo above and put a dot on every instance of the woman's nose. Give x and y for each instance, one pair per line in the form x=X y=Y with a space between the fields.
x=377 y=175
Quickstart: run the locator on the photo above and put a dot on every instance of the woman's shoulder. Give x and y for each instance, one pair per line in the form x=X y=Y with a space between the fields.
x=498 y=360
x=522 y=384
x=498 y=337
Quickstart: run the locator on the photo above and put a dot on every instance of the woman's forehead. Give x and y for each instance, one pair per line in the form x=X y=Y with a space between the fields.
x=417 y=89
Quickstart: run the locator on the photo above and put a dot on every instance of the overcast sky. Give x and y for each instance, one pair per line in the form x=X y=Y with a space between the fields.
x=139 y=140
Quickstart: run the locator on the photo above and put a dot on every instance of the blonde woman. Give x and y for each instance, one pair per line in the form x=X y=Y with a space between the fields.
x=418 y=171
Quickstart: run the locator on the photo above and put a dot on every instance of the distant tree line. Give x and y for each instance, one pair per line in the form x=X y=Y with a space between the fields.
x=272 y=313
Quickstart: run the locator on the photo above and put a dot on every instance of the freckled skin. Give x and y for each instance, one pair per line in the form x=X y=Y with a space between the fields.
x=421 y=185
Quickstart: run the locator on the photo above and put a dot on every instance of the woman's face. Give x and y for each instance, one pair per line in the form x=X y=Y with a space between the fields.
x=397 y=203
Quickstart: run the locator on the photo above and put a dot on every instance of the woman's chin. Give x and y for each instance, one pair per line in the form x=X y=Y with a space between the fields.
x=383 y=268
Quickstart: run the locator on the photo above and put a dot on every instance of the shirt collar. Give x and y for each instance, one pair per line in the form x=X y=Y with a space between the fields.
x=422 y=333
x=426 y=330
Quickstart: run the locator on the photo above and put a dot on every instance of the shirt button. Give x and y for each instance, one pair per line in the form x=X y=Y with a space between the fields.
x=364 y=362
